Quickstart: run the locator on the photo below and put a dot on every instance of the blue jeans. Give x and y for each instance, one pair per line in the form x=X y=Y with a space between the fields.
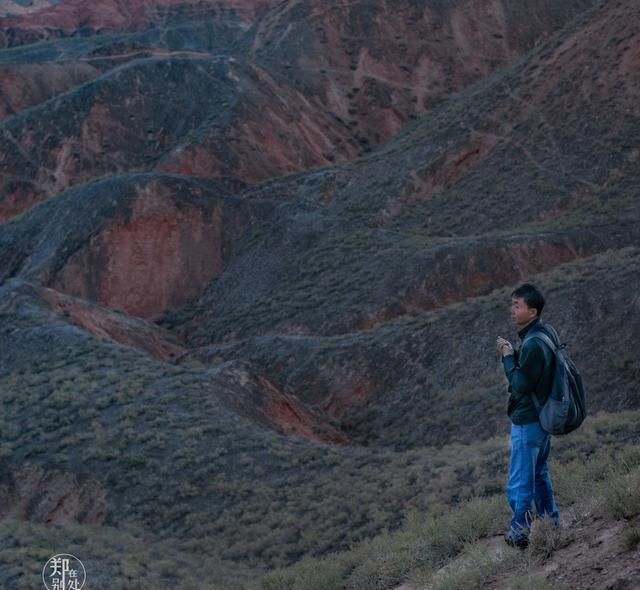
x=529 y=480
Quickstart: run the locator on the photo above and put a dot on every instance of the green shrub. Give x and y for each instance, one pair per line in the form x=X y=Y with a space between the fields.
x=472 y=571
x=446 y=536
x=620 y=496
x=545 y=538
x=386 y=560
x=278 y=581
x=309 y=574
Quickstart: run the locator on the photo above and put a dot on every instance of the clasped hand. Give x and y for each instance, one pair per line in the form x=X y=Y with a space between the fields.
x=504 y=346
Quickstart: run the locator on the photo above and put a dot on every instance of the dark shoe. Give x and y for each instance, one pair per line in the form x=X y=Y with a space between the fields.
x=511 y=539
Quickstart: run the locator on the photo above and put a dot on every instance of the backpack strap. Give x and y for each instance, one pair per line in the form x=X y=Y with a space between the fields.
x=552 y=345
x=542 y=336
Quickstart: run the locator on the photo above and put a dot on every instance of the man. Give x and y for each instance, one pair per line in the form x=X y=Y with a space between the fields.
x=529 y=372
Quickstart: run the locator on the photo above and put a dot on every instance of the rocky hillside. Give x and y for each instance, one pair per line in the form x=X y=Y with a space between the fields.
x=378 y=65
x=528 y=173
x=198 y=93
x=596 y=547
x=254 y=258
x=24 y=22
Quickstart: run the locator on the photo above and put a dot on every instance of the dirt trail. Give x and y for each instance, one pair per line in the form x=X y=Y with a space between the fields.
x=596 y=558
x=593 y=555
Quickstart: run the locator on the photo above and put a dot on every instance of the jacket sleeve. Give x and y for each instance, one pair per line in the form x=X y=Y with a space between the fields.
x=524 y=373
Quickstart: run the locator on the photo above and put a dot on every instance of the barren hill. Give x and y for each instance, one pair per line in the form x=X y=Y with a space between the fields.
x=112 y=125
x=26 y=22
x=200 y=93
x=255 y=256
x=379 y=65
x=511 y=179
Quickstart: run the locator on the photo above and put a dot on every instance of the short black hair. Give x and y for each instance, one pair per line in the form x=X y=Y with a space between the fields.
x=531 y=295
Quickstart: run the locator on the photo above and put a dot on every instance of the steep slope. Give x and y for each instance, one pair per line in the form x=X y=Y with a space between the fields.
x=122 y=122
x=596 y=546
x=21 y=24
x=554 y=132
x=107 y=324
x=378 y=65
x=177 y=452
x=517 y=176
x=241 y=107
x=200 y=375
x=434 y=377
x=192 y=455
x=521 y=173
x=27 y=85
x=139 y=243
x=35 y=72
x=427 y=222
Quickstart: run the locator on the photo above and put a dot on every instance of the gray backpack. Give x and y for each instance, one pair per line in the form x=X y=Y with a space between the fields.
x=566 y=406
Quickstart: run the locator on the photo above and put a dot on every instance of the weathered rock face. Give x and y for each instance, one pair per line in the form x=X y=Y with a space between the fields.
x=33 y=73
x=150 y=243
x=162 y=256
x=32 y=492
x=254 y=396
x=108 y=325
x=272 y=131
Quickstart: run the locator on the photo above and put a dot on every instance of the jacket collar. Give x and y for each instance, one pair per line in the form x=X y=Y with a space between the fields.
x=535 y=323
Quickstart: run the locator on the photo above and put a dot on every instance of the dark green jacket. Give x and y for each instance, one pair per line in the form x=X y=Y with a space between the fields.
x=529 y=372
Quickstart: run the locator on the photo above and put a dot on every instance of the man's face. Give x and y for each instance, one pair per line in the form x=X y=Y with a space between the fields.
x=521 y=313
